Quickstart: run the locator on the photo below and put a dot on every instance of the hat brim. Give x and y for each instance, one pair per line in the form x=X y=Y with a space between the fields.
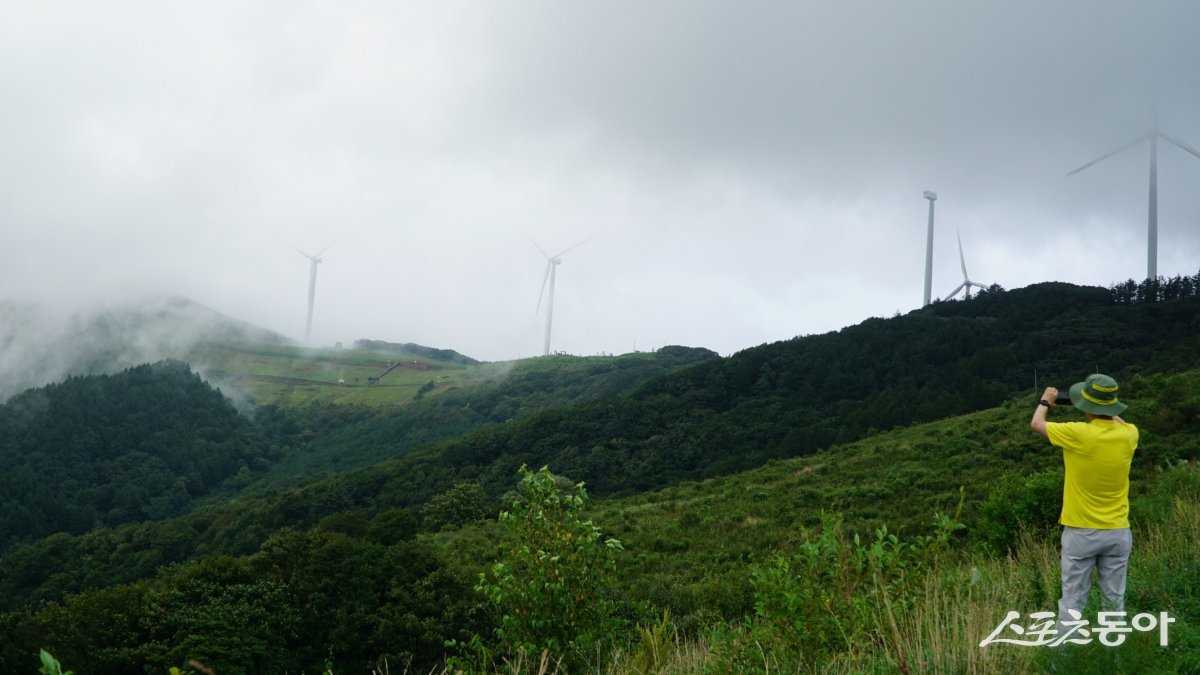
x=1087 y=406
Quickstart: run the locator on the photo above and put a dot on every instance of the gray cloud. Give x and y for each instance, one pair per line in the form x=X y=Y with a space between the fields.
x=750 y=171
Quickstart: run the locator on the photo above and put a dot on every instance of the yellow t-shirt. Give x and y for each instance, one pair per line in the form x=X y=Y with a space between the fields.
x=1096 y=455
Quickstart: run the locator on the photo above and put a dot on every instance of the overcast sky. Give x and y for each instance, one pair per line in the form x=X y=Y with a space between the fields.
x=743 y=172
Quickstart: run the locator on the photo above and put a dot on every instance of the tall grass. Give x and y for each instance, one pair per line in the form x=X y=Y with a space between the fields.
x=962 y=600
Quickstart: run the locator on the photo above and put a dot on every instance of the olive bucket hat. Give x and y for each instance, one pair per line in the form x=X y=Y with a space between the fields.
x=1097 y=395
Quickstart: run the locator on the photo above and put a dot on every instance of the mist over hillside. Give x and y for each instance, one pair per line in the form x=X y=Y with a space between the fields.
x=40 y=344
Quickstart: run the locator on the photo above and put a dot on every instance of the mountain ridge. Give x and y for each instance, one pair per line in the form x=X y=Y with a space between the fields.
x=779 y=434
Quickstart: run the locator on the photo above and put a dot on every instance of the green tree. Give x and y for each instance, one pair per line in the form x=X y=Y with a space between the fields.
x=464 y=503
x=223 y=615
x=549 y=585
x=391 y=526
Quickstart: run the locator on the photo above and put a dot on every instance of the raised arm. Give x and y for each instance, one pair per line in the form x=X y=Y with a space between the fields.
x=1038 y=423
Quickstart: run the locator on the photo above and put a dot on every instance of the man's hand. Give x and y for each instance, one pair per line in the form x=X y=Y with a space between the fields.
x=1050 y=396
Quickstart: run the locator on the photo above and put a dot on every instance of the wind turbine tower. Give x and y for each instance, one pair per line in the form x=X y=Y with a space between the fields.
x=552 y=263
x=1152 y=225
x=932 y=197
x=312 y=288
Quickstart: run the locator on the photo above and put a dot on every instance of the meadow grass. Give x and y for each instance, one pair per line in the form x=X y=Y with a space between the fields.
x=293 y=376
x=691 y=548
x=965 y=598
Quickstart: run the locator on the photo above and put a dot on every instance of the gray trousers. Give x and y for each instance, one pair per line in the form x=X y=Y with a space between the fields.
x=1105 y=550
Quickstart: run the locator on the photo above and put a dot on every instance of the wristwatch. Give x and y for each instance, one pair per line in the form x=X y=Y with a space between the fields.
x=1045 y=403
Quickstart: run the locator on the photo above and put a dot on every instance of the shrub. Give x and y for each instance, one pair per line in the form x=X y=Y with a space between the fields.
x=839 y=593
x=462 y=504
x=551 y=585
x=1019 y=503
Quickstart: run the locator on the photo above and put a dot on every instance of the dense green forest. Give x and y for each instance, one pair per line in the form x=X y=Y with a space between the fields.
x=153 y=442
x=163 y=526
x=102 y=451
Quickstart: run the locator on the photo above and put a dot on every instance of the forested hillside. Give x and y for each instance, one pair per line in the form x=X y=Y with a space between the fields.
x=717 y=555
x=792 y=398
x=95 y=452
x=100 y=451
x=626 y=426
x=715 y=417
x=329 y=438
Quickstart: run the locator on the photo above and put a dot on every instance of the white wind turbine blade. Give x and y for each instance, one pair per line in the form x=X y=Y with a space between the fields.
x=1179 y=144
x=956 y=290
x=545 y=278
x=1119 y=150
x=961 y=258
x=318 y=255
x=539 y=247
x=574 y=247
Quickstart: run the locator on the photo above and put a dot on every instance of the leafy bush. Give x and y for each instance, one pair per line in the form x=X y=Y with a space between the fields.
x=550 y=585
x=462 y=504
x=1020 y=502
x=838 y=593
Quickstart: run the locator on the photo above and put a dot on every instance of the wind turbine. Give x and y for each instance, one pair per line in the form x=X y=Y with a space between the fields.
x=312 y=287
x=1152 y=227
x=967 y=283
x=932 y=197
x=552 y=262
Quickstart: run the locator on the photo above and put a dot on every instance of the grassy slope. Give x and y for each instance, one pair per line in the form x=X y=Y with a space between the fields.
x=689 y=546
x=292 y=376
x=966 y=594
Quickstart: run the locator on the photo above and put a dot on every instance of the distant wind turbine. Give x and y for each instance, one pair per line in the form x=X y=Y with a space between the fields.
x=1152 y=227
x=552 y=262
x=932 y=197
x=967 y=283
x=312 y=287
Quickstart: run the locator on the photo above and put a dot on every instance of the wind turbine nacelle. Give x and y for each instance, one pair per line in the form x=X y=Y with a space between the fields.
x=931 y=195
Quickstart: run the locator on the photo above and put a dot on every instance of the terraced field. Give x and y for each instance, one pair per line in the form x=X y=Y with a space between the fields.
x=287 y=375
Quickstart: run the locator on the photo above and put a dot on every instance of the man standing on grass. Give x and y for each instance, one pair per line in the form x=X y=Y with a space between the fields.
x=1095 y=512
